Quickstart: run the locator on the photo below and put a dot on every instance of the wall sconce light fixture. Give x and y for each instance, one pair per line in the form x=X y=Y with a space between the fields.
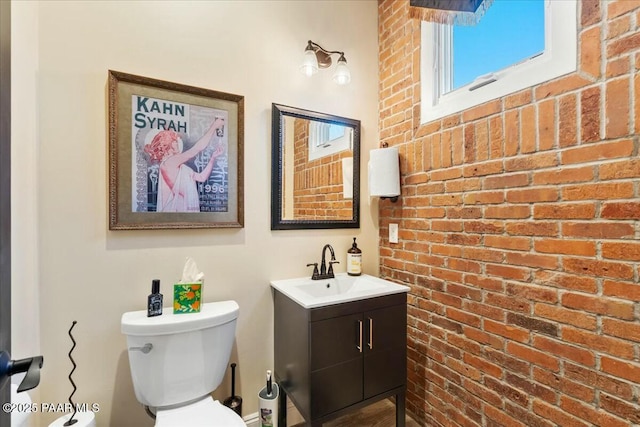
x=315 y=56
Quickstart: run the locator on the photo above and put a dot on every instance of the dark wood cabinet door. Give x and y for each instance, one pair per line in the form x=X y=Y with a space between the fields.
x=336 y=363
x=336 y=387
x=335 y=340
x=385 y=355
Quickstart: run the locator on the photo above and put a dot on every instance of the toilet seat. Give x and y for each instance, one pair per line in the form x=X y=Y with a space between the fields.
x=203 y=413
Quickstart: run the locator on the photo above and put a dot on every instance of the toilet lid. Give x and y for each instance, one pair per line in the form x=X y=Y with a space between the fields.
x=203 y=413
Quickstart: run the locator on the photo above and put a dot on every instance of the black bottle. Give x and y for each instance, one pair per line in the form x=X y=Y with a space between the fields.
x=154 y=301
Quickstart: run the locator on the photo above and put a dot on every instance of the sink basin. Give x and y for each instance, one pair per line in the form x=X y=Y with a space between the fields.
x=343 y=288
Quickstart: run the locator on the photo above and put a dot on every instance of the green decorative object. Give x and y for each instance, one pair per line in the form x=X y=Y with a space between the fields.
x=187 y=298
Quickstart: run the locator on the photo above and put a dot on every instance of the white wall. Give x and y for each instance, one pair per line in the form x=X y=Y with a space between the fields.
x=25 y=322
x=84 y=272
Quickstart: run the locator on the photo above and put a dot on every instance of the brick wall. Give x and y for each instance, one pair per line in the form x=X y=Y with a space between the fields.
x=519 y=226
x=317 y=188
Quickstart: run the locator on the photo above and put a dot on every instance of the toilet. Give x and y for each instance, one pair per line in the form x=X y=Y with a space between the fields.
x=177 y=360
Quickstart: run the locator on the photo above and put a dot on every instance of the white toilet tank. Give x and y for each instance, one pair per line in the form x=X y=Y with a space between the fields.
x=176 y=358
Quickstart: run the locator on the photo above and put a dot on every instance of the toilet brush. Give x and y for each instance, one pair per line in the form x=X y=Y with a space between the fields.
x=234 y=402
x=71 y=420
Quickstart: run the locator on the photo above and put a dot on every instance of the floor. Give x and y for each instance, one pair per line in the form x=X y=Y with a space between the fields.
x=380 y=414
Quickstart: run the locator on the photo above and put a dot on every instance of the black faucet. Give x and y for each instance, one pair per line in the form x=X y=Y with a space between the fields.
x=324 y=273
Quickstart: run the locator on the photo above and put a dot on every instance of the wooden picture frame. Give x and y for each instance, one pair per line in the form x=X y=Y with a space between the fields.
x=175 y=155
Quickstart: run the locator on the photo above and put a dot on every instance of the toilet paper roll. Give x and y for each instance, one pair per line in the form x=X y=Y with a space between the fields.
x=85 y=419
x=384 y=172
x=20 y=417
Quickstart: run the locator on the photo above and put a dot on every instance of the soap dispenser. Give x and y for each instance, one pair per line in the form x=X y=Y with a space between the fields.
x=354 y=260
x=154 y=301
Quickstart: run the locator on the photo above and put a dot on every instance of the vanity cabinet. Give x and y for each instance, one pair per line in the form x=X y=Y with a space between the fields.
x=333 y=359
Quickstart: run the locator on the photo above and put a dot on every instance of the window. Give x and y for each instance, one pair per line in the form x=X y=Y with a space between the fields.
x=326 y=139
x=517 y=44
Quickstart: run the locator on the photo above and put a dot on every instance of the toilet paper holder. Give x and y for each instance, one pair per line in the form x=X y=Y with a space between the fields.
x=30 y=365
x=384 y=173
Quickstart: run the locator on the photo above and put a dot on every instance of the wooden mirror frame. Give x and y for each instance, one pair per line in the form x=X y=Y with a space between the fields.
x=277 y=162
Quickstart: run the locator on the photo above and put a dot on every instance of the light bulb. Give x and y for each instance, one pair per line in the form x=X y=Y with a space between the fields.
x=310 y=63
x=342 y=76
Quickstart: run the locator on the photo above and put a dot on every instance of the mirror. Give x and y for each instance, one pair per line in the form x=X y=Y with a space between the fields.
x=315 y=170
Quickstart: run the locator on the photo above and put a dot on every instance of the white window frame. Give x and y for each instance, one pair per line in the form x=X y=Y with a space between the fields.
x=560 y=57
x=319 y=143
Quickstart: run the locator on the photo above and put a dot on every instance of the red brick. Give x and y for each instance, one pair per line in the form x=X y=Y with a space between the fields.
x=602 y=151
x=482 y=110
x=598 y=342
x=618 y=328
x=482 y=169
x=619 y=7
x=469 y=142
x=502 y=419
x=495 y=137
x=590 y=12
x=530 y=162
x=485 y=311
x=446 y=144
x=625 y=290
x=598 y=268
x=532 y=260
x=621 y=169
x=508 y=272
x=621 y=210
x=561 y=85
x=483 y=197
x=533 y=292
x=532 y=195
x=528 y=129
x=506 y=181
x=482 y=365
x=625 y=410
x=563 y=176
x=563 y=350
x=511 y=133
x=622 y=369
x=484 y=254
x=566 y=281
x=547 y=124
x=618 y=67
x=598 y=230
x=590 y=56
x=619 y=26
x=623 y=190
x=569 y=317
x=531 y=228
x=595 y=379
x=617 y=107
x=553 y=413
x=511 y=332
x=564 y=246
x=534 y=356
x=445 y=174
x=590 y=413
x=509 y=211
x=567 y=118
x=564 y=211
x=457 y=146
x=623 y=45
x=590 y=114
x=621 y=250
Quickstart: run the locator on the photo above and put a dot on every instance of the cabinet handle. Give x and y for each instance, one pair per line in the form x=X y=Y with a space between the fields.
x=359 y=347
x=370 y=343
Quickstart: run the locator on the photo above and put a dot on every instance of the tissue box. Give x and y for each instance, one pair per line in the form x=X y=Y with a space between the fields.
x=187 y=298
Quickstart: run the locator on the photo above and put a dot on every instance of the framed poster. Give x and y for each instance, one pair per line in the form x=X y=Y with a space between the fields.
x=175 y=155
